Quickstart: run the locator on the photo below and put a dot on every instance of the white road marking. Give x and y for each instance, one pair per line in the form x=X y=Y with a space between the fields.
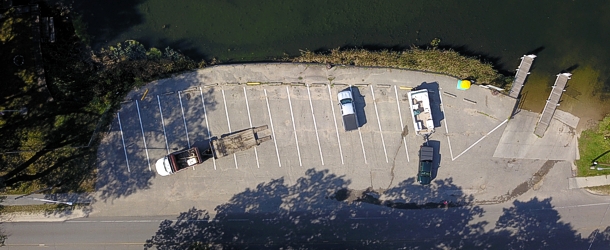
x=130 y=221
x=123 y=140
x=315 y=126
x=224 y=100
x=482 y=138
x=184 y=119
x=250 y=119
x=402 y=126
x=332 y=106
x=163 y=124
x=205 y=116
x=599 y=225
x=445 y=121
x=273 y=130
x=294 y=126
x=143 y=137
x=362 y=144
x=379 y=123
x=359 y=133
x=573 y=206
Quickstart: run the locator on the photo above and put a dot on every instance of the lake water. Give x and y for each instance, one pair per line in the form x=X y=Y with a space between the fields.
x=566 y=35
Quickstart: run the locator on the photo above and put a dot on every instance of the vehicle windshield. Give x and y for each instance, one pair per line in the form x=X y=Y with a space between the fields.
x=168 y=168
x=346 y=101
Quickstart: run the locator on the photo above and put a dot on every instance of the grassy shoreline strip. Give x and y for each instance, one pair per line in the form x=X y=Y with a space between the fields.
x=435 y=60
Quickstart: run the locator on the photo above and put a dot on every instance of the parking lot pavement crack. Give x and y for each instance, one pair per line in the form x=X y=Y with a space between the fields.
x=394 y=160
x=524 y=186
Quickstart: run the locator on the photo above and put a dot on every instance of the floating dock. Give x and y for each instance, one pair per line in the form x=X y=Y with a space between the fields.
x=522 y=72
x=552 y=103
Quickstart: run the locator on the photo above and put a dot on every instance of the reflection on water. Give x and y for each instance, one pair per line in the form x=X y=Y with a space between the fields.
x=566 y=34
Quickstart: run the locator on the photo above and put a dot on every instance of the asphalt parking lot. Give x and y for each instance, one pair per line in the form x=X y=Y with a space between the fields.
x=299 y=104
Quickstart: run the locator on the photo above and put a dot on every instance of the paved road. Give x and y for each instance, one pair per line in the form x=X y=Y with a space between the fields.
x=106 y=233
x=535 y=225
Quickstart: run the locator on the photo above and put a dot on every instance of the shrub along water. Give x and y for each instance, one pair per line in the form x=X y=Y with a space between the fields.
x=431 y=59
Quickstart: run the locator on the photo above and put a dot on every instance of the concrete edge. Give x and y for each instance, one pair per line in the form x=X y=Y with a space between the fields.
x=41 y=217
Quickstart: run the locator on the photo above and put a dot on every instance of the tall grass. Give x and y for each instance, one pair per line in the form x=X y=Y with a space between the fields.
x=436 y=60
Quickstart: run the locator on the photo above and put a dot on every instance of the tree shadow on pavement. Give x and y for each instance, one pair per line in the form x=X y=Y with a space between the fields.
x=308 y=214
x=535 y=224
x=115 y=178
x=315 y=213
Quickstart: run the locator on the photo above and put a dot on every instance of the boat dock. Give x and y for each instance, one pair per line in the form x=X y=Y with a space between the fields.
x=552 y=103
x=522 y=72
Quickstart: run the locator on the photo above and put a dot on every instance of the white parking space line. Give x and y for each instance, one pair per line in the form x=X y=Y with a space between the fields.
x=362 y=144
x=332 y=106
x=184 y=119
x=273 y=130
x=475 y=143
x=224 y=100
x=250 y=119
x=315 y=126
x=402 y=126
x=445 y=121
x=205 y=115
x=294 y=126
x=360 y=134
x=379 y=123
x=163 y=124
x=143 y=137
x=123 y=139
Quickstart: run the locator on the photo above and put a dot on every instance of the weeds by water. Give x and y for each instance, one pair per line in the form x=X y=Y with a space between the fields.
x=432 y=60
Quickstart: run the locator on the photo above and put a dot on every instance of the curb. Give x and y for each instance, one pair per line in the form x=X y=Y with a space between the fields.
x=42 y=217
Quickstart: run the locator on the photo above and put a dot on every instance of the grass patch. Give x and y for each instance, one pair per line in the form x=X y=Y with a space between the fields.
x=36 y=209
x=594 y=145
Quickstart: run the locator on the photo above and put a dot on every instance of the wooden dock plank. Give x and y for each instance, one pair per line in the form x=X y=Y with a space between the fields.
x=551 y=104
x=522 y=72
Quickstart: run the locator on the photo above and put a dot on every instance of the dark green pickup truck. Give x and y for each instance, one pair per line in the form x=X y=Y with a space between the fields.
x=426 y=156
